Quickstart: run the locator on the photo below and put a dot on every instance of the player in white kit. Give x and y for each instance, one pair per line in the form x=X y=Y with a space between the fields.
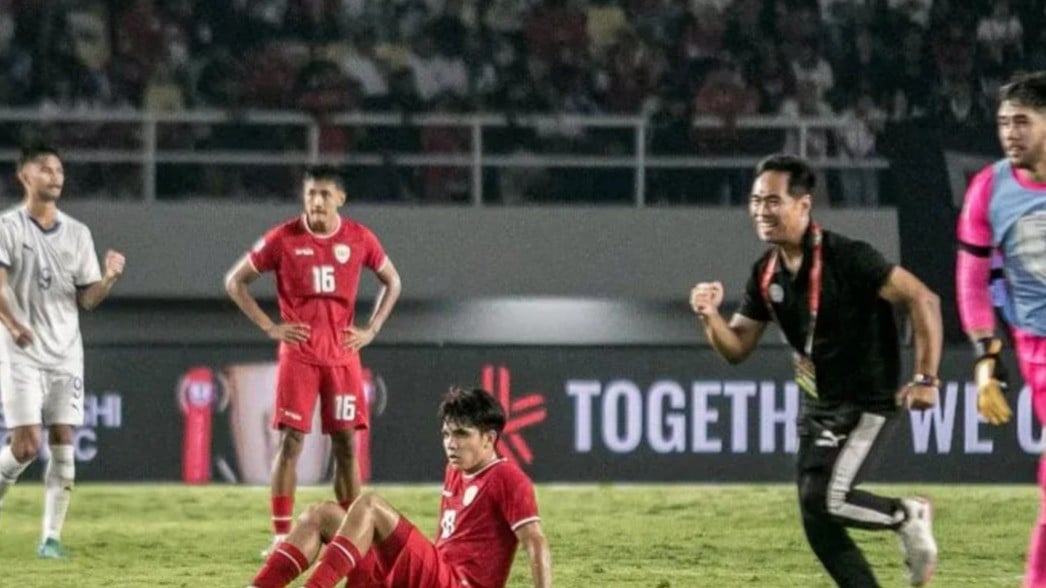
x=48 y=267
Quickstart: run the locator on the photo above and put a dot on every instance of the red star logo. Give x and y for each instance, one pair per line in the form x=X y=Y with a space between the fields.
x=520 y=413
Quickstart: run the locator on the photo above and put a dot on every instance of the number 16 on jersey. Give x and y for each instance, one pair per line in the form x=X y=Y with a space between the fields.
x=323 y=279
x=345 y=408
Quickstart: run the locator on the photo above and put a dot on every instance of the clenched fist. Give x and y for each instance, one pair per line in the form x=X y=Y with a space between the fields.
x=917 y=396
x=114 y=262
x=705 y=298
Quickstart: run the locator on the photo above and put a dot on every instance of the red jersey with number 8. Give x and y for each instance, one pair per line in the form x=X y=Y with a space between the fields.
x=479 y=516
x=317 y=277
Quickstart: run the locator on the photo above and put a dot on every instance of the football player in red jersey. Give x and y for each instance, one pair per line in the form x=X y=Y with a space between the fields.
x=488 y=508
x=317 y=259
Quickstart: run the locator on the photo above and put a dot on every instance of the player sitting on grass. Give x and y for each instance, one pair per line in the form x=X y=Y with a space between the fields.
x=487 y=508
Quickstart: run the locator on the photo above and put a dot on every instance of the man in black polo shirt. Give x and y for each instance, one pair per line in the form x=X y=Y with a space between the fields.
x=832 y=297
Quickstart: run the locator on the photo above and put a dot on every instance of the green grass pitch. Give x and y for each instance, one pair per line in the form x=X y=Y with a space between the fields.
x=657 y=536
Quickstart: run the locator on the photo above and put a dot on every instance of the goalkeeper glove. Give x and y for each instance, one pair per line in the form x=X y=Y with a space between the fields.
x=990 y=376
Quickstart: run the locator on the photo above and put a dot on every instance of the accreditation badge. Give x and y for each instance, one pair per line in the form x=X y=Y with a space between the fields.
x=805 y=374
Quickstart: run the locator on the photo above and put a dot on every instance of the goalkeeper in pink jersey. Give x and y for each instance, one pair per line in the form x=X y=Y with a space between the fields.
x=1004 y=219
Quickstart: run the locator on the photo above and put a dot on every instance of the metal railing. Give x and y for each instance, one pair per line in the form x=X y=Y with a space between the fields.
x=150 y=154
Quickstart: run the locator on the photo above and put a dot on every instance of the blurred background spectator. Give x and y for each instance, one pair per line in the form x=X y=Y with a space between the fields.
x=873 y=62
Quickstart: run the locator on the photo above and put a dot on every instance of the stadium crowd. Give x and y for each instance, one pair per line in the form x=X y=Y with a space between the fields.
x=872 y=62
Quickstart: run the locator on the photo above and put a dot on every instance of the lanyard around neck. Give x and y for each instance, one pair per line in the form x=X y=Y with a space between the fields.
x=813 y=292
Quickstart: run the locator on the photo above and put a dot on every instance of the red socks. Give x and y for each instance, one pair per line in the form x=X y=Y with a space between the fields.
x=285 y=563
x=337 y=561
x=282 y=508
x=367 y=574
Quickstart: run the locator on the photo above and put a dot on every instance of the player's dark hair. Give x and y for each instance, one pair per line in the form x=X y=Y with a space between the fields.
x=801 y=176
x=32 y=151
x=472 y=407
x=1026 y=89
x=327 y=173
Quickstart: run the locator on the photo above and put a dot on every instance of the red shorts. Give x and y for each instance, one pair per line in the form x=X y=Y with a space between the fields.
x=407 y=558
x=343 y=405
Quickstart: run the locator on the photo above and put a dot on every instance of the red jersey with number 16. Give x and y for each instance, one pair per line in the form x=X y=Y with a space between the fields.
x=316 y=282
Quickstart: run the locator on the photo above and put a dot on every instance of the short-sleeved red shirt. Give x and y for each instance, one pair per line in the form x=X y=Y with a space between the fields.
x=479 y=515
x=316 y=282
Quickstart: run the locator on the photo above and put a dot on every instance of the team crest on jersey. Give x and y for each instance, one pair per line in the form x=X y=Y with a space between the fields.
x=44 y=278
x=470 y=495
x=342 y=252
x=777 y=293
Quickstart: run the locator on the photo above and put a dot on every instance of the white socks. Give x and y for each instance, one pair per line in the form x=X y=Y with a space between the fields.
x=58 y=487
x=58 y=484
x=10 y=469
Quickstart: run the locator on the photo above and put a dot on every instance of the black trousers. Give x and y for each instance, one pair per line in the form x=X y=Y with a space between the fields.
x=833 y=454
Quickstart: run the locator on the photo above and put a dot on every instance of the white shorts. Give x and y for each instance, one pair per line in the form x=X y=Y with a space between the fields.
x=32 y=395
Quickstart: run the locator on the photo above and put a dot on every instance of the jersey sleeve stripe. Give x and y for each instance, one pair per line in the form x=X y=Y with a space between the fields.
x=251 y=262
x=977 y=250
x=525 y=521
